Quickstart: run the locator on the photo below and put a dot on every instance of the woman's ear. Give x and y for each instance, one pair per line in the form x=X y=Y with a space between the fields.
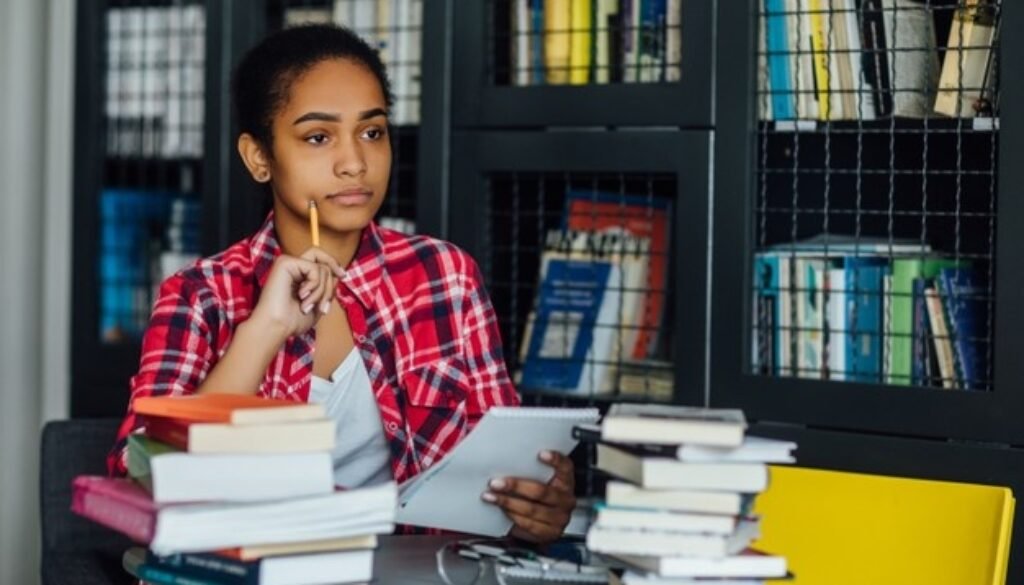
x=254 y=157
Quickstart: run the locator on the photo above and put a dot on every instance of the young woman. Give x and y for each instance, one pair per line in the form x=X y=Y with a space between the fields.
x=394 y=334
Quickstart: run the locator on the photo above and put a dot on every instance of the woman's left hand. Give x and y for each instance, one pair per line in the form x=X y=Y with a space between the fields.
x=540 y=512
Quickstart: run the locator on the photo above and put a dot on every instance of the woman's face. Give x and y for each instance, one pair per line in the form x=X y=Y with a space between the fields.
x=331 y=145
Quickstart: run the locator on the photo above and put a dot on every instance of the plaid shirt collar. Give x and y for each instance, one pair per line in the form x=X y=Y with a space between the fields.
x=362 y=276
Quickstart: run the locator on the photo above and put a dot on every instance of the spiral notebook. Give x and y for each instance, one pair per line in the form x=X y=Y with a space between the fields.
x=505 y=443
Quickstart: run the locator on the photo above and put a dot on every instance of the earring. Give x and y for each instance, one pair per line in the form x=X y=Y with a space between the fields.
x=263 y=176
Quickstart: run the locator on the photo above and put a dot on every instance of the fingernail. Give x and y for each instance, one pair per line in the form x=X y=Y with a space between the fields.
x=497 y=484
x=547 y=456
x=303 y=294
x=307 y=308
x=488 y=497
x=325 y=306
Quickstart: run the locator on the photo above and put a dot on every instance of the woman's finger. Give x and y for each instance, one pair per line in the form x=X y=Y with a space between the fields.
x=320 y=257
x=530 y=490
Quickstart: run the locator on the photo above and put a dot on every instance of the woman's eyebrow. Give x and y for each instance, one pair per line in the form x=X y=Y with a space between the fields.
x=331 y=117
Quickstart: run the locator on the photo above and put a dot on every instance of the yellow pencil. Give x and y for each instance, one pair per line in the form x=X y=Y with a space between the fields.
x=314 y=223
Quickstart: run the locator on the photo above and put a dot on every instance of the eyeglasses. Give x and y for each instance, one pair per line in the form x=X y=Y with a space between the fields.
x=510 y=562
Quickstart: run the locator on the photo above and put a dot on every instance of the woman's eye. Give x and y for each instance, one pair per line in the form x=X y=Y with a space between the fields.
x=317 y=139
x=373 y=133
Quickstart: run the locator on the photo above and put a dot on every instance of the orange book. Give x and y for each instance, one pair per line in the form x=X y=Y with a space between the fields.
x=227 y=408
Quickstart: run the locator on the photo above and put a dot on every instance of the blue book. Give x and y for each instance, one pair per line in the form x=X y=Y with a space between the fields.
x=963 y=300
x=779 y=78
x=574 y=327
x=767 y=306
x=864 y=285
x=537 y=42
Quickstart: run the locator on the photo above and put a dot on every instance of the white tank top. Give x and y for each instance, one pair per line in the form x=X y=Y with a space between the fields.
x=361 y=455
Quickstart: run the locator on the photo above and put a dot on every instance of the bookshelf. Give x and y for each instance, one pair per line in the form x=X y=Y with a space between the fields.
x=164 y=184
x=938 y=180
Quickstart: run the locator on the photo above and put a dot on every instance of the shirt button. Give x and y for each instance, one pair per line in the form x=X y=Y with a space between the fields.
x=361 y=338
x=392 y=426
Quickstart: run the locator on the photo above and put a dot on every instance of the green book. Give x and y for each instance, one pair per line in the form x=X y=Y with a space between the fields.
x=140 y=449
x=904 y=271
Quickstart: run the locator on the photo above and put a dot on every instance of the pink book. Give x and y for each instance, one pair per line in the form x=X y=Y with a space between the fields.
x=116 y=503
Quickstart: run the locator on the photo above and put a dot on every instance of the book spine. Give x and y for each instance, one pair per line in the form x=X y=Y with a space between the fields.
x=820 y=56
x=875 y=61
x=921 y=353
x=779 y=76
x=168 y=431
x=206 y=568
x=139 y=525
x=156 y=575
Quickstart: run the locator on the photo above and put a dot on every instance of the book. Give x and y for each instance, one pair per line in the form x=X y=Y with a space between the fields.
x=874 y=56
x=172 y=528
x=638 y=542
x=747 y=563
x=652 y=471
x=505 y=443
x=641 y=217
x=780 y=78
x=963 y=299
x=227 y=408
x=904 y=271
x=293 y=437
x=913 y=58
x=753 y=449
x=663 y=521
x=570 y=337
x=140 y=449
x=673 y=425
x=557 y=40
x=199 y=568
x=187 y=477
x=940 y=337
x=962 y=81
x=634 y=578
x=581 y=22
x=259 y=551
x=625 y=495
x=348 y=566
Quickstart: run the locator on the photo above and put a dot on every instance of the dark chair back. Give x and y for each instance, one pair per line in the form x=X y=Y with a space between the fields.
x=74 y=549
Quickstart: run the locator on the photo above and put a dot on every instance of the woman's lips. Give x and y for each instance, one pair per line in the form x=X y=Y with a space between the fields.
x=350 y=198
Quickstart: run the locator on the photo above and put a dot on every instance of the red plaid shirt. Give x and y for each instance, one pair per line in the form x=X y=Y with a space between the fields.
x=420 y=318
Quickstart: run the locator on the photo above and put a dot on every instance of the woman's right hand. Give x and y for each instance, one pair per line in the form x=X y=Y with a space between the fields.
x=297 y=292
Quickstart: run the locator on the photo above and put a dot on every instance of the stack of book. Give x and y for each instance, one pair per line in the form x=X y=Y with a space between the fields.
x=683 y=513
x=237 y=489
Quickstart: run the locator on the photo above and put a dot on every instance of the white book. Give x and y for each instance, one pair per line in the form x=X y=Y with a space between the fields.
x=753 y=449
x=505 y=443
x=838 y=323
x=748 y=563
x=640 y=542
x=658 y=424
x=664 y=472
x=633 y=578
x=663 y=521
x=618 y=493
x=521 y=42
x=203 y=527
x=912 y=57
x=187 y=477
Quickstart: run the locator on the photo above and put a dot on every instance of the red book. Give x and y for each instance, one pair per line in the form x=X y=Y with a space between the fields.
x=201 y=437
x=227 y=408
x=116 y=503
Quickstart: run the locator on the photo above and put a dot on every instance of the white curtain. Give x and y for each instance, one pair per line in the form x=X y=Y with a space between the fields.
x=36 y=69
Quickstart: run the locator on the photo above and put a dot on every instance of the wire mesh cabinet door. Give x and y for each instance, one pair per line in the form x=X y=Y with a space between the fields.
x=871 y=233
x=530 y=62
x=593 y=248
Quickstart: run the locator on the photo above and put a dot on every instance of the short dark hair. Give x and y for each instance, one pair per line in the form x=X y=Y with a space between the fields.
x=262 y=80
